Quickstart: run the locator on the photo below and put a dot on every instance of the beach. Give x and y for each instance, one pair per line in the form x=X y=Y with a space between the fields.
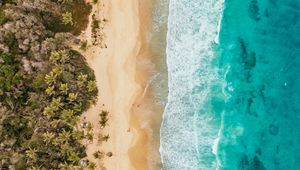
x=121 y=82
x=222 y=86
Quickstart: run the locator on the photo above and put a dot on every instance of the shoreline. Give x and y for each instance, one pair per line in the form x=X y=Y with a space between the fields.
x=138 y=151
x=146 y=114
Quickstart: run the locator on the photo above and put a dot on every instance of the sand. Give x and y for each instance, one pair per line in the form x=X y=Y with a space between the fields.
x=146 y=112
x=119 y=86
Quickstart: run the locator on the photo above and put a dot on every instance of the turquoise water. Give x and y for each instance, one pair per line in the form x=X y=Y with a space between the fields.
x=233 y=100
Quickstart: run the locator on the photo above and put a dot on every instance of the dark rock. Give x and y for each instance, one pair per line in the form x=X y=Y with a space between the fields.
x=77 y=41
x=258 y=151
x=253 y=10
x=243 y=163
x=273 y=129
x=109 y=154
x=250 y=61
x=256 y=164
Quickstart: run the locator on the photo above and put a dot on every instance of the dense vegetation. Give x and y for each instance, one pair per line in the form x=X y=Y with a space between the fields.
x=44 y=85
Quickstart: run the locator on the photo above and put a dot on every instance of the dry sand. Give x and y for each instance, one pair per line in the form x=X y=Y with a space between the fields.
x=120 y=87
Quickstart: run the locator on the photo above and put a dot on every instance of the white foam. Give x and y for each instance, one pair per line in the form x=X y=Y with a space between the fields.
x=187 y=136
x=218 y=32
x=215 y=146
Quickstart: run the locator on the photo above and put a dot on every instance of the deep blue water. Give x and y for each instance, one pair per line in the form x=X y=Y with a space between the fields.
x=234 y=101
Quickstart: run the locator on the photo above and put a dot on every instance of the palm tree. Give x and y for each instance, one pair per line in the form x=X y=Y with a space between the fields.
x=56 y=103
x=67 y=18
x=78 y=135
x=81 y=79
x=64 y=87
x=63 y=166
x=66 y=2
x=72 y=97
x=57 y=70
x=68 y=116
x=83 y=45
x=103 y=122
x=33 y=168
x=98 y=154
x=73 y=157
x=50 y=90
x=64 y=136
x=48 y=137
x=92 y=166
x=49 y=111
x=90 y=136
x=54 y=123
x=77 y=107
x=92 y=86
x=80 y=168
x=103 y=114
x=105 y=138
x=50 y=78
x=56 y=142
x=31 y=154
x=57 y=56
x=64 y=57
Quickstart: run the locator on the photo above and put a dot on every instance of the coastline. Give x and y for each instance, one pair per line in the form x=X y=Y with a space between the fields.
x=121 y=81
x=146 y=113
x=138 y=152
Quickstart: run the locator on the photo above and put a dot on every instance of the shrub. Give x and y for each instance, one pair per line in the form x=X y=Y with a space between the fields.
x=83 y=45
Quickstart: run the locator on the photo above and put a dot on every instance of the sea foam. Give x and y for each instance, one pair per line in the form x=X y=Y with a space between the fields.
x=190 y=125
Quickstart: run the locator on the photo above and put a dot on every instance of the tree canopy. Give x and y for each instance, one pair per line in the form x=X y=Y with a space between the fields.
x=44 y=86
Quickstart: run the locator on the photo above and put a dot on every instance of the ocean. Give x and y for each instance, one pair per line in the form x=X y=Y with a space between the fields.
x=233 y=101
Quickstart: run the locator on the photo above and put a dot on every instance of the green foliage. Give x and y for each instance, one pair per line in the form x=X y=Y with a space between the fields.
x=2 y=15
x=66 y=2
x=48 y=137
x=95 y=24
x=95 y=1
x=105 y=137
x=92 y=166
x=38 y=82
x=40 y=108
x=79 y=10
x=92 y=86
x=10 y=75
x=30 y=131
x=50 y=90
x=60 y=56
x=67 y=18
x=72 y=97
x=103 y=118
x=10 y=41
x=50 y=78
x=64 y=87
x=83 y=45
x=90 y=136
x=89 y=127
x=97 y=154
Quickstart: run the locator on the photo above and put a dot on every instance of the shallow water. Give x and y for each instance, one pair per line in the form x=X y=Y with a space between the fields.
x=233 y=100
x=152 y=63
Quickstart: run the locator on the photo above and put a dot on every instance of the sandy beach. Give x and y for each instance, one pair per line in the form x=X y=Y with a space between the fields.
x=121 y=88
